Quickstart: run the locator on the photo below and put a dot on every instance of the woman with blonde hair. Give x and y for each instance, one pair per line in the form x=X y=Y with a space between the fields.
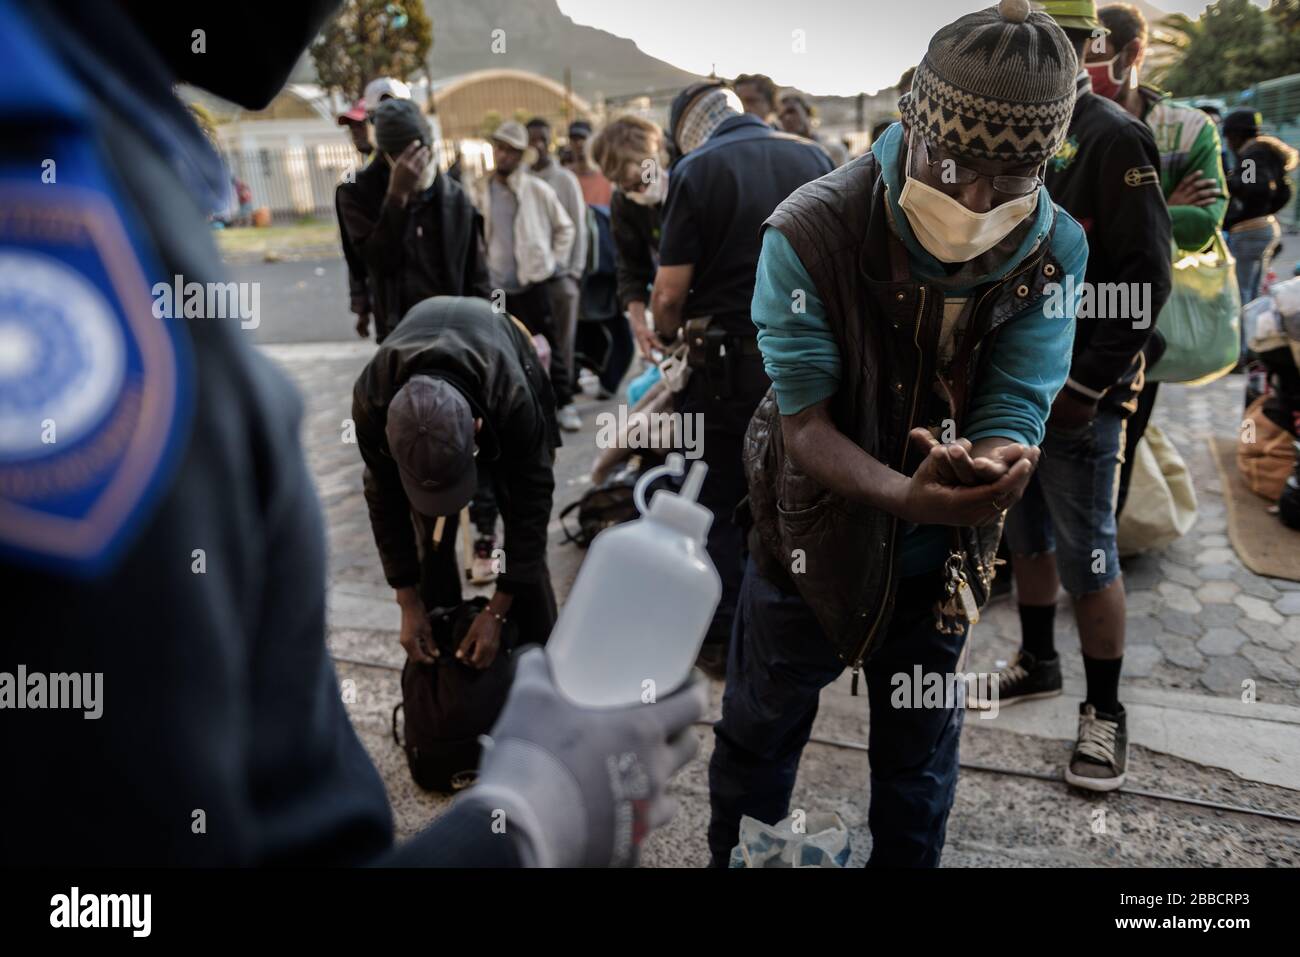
x=629 y=151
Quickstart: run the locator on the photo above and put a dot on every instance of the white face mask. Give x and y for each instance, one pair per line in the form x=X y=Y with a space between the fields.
x=952 y=233
x=654 y=193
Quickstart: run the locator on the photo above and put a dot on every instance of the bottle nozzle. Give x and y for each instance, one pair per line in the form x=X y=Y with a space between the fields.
x=694 y=480
x=674 y=465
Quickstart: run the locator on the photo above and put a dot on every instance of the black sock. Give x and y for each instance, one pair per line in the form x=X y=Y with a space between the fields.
x=1038 y=630
x=1102 y=675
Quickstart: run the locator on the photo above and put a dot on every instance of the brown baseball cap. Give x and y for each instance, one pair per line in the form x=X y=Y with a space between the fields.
x=431 y=437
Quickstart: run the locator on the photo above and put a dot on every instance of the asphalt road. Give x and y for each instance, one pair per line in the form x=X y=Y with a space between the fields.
x=302 y=301
x=307 y=300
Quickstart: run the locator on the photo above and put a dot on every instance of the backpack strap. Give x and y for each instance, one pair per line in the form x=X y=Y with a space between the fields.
x=467 y=543
x=569 y=537
x=396 y=738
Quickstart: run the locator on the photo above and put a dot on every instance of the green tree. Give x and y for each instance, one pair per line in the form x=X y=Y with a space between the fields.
x=1231 y=46
x=372 y=38
x=1285 y=15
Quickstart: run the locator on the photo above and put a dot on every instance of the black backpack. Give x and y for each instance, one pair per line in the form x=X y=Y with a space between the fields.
x=607 y=504
x=447 y=705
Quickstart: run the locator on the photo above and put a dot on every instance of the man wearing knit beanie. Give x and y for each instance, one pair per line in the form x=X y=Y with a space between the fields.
x=1063 y=532
x=906 y=318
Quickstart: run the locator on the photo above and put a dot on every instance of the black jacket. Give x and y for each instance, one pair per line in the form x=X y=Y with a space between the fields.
x=431 y=247
x=1107 y=176
x=636 y=246
x=1265 y=190
x=491 y=360
x=358 y=283
x=221 y=694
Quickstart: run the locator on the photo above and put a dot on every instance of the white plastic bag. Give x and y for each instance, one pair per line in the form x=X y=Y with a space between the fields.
x=1161 y=504
x=819 y=839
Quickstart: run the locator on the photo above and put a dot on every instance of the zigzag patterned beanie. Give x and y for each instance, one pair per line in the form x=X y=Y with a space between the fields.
x=998 y=84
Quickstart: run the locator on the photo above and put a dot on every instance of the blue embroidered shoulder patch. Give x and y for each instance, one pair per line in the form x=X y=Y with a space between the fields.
x=94 y=390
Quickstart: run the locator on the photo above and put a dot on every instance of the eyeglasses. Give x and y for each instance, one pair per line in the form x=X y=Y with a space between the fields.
x=952 y=174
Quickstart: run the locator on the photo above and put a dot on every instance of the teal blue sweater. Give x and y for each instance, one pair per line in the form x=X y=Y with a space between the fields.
x=1028 y=366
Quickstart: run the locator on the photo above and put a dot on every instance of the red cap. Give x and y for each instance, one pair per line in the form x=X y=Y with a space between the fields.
x=355 y=115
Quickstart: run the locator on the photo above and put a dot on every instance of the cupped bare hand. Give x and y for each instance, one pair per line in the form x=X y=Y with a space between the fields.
x=957 y=466
x=932 y=497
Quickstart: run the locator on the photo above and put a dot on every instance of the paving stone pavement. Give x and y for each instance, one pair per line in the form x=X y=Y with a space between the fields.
x=1198 y=619
x=1199 y=622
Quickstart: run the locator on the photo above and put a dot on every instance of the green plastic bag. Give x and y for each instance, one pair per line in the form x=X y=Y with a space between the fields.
x=1201 y=321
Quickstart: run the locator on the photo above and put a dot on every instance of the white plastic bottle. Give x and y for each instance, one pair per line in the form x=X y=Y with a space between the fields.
x=642 y=603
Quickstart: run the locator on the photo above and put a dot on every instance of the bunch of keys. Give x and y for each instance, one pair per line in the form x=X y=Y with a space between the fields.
x=958 y=609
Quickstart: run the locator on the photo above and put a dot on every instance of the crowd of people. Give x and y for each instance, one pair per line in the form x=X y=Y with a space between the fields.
x=895 y=406
x=885 y=393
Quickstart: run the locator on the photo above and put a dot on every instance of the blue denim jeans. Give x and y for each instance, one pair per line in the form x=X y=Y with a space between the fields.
x=779 y=662
x=1069 y=505
x=1251 y=247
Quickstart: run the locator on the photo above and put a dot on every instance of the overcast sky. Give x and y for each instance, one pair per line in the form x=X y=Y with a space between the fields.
x=849 y=45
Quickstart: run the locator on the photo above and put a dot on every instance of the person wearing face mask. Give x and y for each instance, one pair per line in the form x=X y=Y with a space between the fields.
x=904 y=315
x=1063 y=532
x=196 y=588
x=418 y=233
x=628 y=151
x=1191 y=173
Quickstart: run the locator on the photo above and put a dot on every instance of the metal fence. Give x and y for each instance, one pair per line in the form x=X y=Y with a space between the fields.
x=1278 y=103
x=294 y=182
x=299 y=182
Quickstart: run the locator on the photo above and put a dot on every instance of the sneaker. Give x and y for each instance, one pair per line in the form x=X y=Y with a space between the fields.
x=568 y=418
x=588 y=381
x=1101 y=754
x=1024 y=679
x=482 y=568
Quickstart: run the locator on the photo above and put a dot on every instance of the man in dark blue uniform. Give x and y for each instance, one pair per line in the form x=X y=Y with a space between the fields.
x=158 y=533
x=735 y=169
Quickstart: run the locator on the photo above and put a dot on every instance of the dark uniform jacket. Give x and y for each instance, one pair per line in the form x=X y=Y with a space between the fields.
x=220 y=701
x=718 y=196
x=888 y=330
x=432 y=247
x=491 y=360
x=1107 y=176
